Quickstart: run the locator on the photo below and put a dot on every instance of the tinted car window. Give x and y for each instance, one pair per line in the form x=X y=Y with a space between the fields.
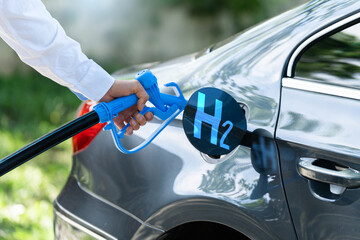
x=333 y=60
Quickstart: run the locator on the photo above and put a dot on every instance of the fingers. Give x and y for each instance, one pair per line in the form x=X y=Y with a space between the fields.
x=122 y=88
x=141 y=94
x=135 y=119
x=149 y=116
x=129 y=131
x=140 y=119
x=131 y=115
x=135 y=123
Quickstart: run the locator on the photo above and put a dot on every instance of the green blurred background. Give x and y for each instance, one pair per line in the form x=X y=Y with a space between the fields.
x=116 y=34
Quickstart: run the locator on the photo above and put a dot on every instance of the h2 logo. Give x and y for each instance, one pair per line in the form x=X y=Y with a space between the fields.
x=214 y=121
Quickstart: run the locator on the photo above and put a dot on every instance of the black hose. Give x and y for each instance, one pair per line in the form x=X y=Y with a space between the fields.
x=48 y=141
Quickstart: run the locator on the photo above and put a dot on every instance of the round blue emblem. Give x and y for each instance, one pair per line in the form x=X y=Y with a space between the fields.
x=213 y=121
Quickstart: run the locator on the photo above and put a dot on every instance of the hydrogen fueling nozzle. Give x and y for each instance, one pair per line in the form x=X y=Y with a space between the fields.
x=149 y=82
x=166 y=107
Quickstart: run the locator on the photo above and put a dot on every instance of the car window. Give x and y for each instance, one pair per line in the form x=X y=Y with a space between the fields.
x=334 y=59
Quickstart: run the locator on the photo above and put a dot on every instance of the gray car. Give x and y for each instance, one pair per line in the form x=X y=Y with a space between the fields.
x=296 y=173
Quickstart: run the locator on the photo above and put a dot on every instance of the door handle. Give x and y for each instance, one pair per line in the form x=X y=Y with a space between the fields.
x=346 y=177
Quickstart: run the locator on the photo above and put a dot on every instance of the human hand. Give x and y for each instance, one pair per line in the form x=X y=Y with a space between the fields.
x=122 y=88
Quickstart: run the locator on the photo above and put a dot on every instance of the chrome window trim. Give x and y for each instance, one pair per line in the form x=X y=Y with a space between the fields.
x=78 y=223
x=324 y=88
x=307 y=42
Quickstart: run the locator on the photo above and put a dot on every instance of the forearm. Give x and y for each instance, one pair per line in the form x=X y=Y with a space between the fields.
x=41 y=42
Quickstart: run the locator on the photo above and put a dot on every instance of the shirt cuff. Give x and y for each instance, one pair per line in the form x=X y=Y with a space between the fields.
x=96 y=83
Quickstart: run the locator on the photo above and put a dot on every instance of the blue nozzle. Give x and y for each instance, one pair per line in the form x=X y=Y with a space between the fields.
x=146 y=78
x=167 y=107
x=149 y=82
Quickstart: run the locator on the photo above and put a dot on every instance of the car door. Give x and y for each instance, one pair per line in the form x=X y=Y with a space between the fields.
x=318 y=133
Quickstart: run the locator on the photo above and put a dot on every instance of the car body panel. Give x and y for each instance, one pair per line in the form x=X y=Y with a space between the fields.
x=169 y=183
x=320 y=127
x=101 y=219
x=169 y=186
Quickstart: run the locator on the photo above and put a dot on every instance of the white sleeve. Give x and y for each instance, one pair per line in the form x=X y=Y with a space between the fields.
x=40 y=41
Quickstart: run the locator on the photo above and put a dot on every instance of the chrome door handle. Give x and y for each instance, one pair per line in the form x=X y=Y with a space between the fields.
x=349 y=178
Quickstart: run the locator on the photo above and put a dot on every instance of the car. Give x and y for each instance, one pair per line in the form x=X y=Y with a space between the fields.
x=296 y=173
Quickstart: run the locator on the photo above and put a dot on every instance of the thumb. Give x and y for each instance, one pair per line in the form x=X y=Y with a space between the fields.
x=141 y=94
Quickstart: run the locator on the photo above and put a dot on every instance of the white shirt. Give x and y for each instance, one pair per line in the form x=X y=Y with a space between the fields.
x=40 y=41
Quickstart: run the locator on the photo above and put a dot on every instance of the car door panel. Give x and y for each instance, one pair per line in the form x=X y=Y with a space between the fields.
x=323 y=128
